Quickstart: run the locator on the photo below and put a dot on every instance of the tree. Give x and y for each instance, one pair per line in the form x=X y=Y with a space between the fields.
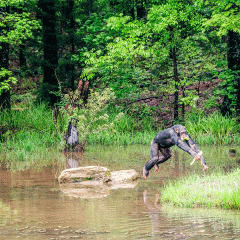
x=15 y=28
x=225 y=21
x=163 y=47
x=50 y=49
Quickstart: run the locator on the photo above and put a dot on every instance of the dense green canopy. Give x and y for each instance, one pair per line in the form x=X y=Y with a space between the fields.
x=139 y=48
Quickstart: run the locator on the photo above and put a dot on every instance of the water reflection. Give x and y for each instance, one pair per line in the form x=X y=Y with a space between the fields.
x=72 y=159
x=95 y=190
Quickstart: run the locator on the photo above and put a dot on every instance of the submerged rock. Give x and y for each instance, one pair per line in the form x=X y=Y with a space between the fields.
x=95 y=181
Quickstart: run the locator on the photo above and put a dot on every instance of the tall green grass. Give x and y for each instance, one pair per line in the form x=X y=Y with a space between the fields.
x=212 y=129
x=37 y=118
x=122 y=138
x=31 y=133
x=215 y=190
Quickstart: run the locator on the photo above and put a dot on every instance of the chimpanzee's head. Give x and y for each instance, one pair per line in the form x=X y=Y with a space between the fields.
x=181 y=131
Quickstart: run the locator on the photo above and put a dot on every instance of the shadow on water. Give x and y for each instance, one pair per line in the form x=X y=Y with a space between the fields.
x=32 y=205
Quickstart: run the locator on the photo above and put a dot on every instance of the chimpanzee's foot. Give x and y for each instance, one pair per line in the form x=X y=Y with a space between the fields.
x=145 y=173
x=156 y=168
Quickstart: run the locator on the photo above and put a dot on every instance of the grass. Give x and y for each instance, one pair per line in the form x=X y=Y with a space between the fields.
x=215 y=190
x=30 y=133
x=122 y=138
x=212 y=129
x=29 y=136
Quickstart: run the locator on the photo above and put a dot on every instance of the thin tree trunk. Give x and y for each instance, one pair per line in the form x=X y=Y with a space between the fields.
x=183 y=104
x=22 y=59
x=72 y=29
x=176 y=79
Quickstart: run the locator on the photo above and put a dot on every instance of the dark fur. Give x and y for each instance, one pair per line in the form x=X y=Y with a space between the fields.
x=166 y=139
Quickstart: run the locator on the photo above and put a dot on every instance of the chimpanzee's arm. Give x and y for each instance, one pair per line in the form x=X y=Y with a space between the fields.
x=194 y=146
x=185 y=147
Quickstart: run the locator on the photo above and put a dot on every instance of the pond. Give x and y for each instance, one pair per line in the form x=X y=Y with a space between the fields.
x=33 y=206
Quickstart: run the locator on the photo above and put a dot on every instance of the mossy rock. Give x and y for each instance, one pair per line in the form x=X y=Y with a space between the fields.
x=82 y=174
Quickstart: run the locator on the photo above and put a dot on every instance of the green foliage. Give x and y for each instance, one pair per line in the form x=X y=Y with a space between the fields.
x=225 y=16
x=16 y=26
x=6 y=79
x=91 y=116
x=138 y=52
x=229 y=87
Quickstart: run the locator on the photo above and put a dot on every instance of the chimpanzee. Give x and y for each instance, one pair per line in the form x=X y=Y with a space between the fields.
x=72 y=133
x=176 y=135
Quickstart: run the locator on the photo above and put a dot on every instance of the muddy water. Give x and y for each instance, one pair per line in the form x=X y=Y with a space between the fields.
x=32 y=205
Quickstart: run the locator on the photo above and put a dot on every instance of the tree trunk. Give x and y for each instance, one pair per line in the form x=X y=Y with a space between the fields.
x=22 y=59
x=234 y=65
x=50 y=49
x=4 y=63
x=176 y=79
x=72 y=29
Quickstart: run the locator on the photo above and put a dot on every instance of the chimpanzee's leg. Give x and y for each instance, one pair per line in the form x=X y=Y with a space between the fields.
x=166 y=154
x=154 y=152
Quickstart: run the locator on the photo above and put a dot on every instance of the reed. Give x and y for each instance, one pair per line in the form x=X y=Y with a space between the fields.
x=215 y=190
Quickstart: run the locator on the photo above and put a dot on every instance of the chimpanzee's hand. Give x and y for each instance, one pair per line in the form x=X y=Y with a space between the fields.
x=197 y=158
x=205 y=167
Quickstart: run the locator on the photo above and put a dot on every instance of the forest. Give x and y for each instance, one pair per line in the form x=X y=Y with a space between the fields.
x=121 y=69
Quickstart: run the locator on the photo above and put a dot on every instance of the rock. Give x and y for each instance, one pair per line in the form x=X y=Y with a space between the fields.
x=95 y=181
x=81 y=174
x=124 y=176
x=123 y=179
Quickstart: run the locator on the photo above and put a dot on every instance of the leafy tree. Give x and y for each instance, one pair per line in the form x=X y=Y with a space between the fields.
x=15 y=28
x=168 y=45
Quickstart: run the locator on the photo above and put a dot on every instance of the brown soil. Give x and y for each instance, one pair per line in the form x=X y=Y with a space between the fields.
x=163 y=103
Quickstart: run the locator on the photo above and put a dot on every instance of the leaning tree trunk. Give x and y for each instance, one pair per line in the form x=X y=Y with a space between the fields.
x=50 y=48
x=234 y=65
x=4 y=63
